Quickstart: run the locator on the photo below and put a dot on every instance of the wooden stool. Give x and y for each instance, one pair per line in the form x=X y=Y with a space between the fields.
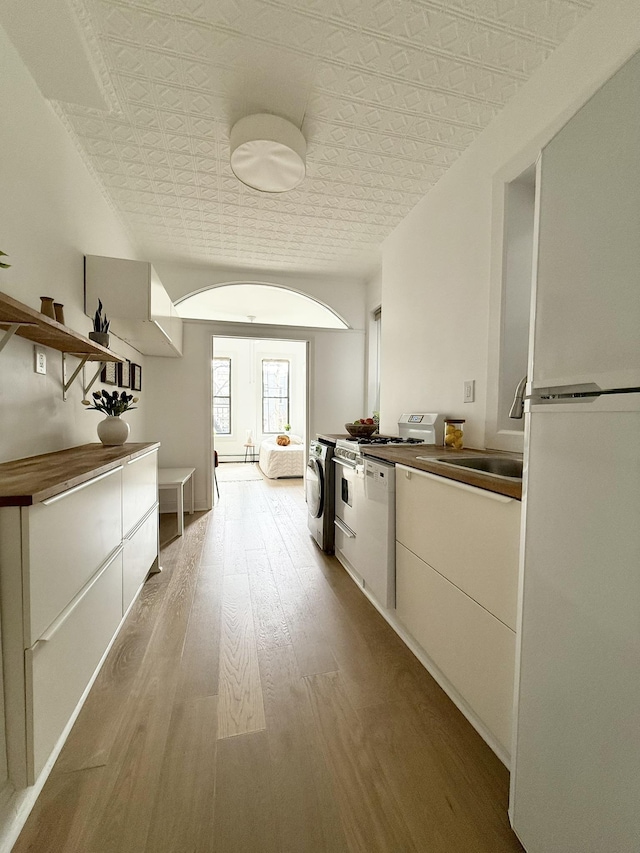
x=175 y=478
x=250 y=450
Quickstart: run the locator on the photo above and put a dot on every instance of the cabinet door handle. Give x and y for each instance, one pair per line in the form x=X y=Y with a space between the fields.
x=84 y=485
x=66 y=613
x=475 y=490
x=142 y=521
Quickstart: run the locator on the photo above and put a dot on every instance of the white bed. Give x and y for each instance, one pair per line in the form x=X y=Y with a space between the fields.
x=277 y=461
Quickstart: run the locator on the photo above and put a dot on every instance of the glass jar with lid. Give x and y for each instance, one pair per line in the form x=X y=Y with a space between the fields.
x=454 y=433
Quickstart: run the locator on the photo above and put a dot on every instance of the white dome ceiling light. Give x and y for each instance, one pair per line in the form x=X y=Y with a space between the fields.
x=268 y=153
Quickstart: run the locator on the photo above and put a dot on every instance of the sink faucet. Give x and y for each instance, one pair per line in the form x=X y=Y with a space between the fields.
x=517 y=407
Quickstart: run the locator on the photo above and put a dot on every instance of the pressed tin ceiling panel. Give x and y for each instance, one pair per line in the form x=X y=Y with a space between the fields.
x=388 y=94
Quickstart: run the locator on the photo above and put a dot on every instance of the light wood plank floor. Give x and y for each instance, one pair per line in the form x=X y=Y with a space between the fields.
x=255 y=701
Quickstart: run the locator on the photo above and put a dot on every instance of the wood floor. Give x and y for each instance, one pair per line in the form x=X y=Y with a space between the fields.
x=256 y=702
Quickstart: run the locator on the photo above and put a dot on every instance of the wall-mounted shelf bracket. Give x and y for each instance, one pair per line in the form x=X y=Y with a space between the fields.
x=67 y=383
x=10 y=332
x=87 y=388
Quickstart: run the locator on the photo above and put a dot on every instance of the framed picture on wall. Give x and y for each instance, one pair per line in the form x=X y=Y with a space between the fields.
x=124 y=374
x=136 y=377
x=109 y=374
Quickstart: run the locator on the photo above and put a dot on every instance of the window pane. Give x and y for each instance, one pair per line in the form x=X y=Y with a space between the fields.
x=275 y=414
x=222 y=396
x=222 y=419
x=275 y=395
x=221 y=377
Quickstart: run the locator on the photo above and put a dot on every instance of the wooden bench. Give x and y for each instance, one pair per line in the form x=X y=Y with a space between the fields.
x=175 y=478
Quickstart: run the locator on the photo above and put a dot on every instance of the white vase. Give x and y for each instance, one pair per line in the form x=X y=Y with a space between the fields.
x=113 y=431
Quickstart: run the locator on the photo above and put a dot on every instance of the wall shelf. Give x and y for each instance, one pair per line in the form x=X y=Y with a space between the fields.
x=41 y=330
x=18 y=319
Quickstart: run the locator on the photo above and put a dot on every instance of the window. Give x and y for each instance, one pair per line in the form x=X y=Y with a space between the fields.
x=275 y=394
x=222 y=396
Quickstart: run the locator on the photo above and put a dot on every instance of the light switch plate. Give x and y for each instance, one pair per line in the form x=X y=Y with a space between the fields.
x=469 y=391
x=39 y=360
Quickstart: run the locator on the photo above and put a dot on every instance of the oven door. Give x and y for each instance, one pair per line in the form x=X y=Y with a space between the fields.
x=349 y=488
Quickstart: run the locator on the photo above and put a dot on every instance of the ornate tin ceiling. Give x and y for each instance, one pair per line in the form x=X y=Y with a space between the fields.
x=388 y=93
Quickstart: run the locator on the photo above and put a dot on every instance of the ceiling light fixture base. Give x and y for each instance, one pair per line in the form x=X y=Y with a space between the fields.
x=268 y=153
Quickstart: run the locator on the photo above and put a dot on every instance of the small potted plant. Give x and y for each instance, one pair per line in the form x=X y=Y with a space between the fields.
x=287 y=427
x=112 y=431
x=100 y=332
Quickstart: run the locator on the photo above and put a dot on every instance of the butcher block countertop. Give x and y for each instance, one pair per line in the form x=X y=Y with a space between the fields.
x=331 y=437
x=28 y=481
x=407 y=455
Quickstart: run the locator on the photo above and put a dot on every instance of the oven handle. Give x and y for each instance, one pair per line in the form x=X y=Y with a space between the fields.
x=346 y=530
x=356 y=467
x=346 y=462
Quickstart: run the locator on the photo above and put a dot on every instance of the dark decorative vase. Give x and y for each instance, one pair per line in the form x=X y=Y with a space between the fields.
x=46 y=307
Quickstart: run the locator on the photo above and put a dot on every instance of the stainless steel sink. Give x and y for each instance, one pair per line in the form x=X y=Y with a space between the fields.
x=495 y=466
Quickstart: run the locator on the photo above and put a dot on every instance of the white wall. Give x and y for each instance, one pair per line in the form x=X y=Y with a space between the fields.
x=373 y=301
x=442 y=266
x=343 y=294
x=246 y=356
x=52 y=214
x=178 y=400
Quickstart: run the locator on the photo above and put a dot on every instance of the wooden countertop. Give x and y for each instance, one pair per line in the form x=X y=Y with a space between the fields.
x=407 y=455
x=24 y=482
x=331 y=438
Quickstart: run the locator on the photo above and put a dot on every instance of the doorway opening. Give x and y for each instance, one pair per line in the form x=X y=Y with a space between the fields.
x=259 y=411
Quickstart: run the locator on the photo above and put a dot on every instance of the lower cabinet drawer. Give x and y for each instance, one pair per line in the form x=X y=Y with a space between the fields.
x=139 y=488
x=59 y=668
x=140 y=550
x=346 y=544
x=472 y=649
x=69 y=538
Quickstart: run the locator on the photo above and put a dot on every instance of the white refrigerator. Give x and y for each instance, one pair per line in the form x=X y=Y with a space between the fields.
x=575 y=785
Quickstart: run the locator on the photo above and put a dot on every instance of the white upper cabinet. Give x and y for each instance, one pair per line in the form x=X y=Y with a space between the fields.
x=135 y=301
x=587 y=303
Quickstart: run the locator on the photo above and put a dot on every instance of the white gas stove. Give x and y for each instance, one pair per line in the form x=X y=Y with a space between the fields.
x=412 y=429
x=365 y=505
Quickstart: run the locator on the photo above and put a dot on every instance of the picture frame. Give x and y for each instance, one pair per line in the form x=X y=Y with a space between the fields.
x=124 y=374
x=136 y=377
x=109 y=373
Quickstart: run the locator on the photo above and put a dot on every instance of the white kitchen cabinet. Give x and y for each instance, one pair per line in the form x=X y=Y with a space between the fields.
x=470 y=536
x=456 y=588
x=471 y=648
x=140 y=488
x=136 y=303
x=69 y=536
x=140 y=551
x=59 y=666
x=68 y=574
